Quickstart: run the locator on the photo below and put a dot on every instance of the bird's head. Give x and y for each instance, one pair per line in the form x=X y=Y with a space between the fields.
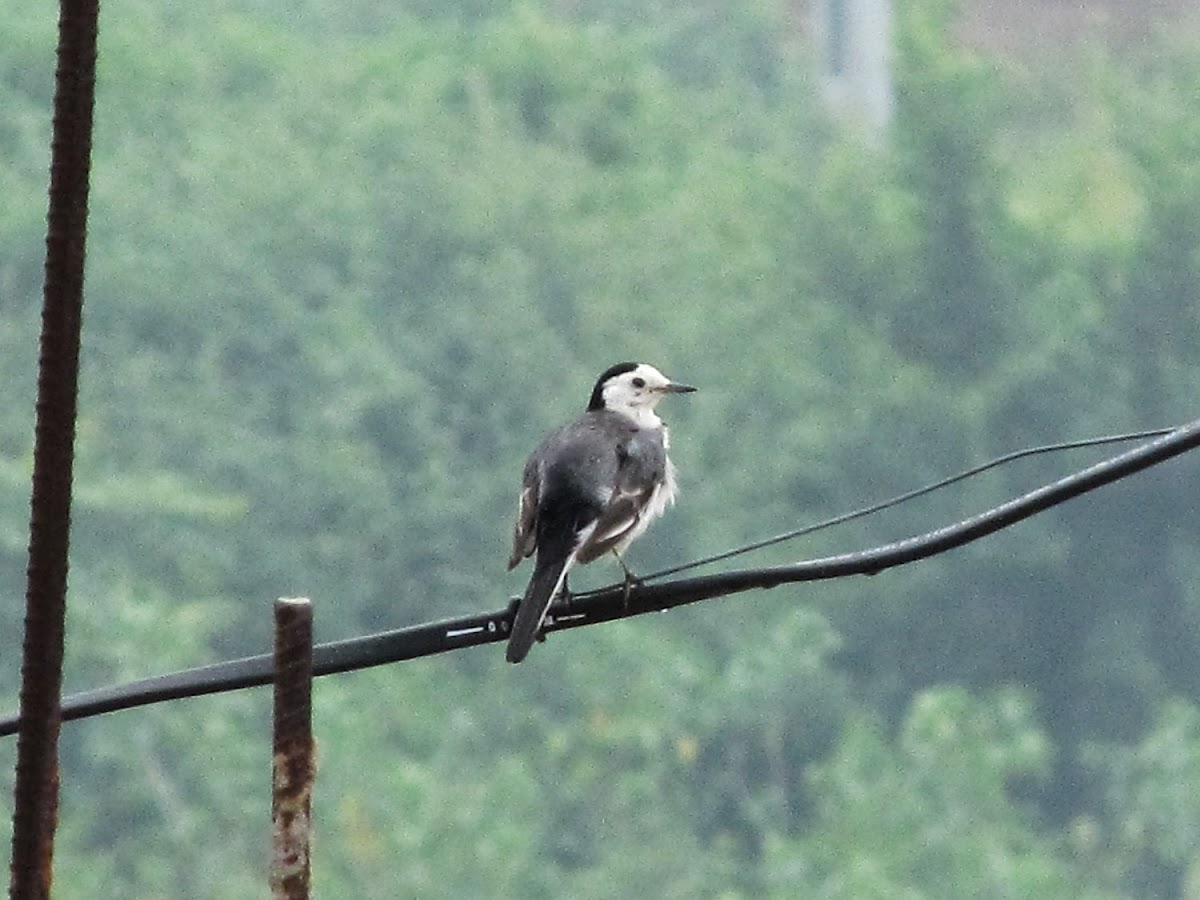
x=632 y=388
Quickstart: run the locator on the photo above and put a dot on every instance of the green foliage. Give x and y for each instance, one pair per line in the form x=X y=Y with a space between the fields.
x=1150 y=816
x=932 y=814
x=346 y=263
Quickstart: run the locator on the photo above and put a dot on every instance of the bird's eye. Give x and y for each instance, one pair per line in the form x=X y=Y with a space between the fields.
x=639 y=382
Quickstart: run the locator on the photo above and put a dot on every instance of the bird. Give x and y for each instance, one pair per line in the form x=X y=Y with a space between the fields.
x=592 y=487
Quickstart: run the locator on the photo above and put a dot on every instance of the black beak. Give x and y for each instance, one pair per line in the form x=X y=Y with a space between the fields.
x=673 y=388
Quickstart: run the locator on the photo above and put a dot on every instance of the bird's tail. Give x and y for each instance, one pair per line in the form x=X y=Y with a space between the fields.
x=548 y=575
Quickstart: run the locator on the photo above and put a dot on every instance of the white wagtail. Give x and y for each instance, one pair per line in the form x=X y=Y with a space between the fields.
x=592 y=486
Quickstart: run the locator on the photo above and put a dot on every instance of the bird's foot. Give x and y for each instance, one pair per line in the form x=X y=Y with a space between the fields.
x=562 y=603
x=565 y=597
x=631 y=580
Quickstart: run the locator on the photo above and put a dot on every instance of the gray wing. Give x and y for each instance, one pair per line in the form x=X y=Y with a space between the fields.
x=603 y=463
x=641 y=464
x=564 y=465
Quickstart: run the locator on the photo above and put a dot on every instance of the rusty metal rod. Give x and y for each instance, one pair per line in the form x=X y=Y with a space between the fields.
x=35 y=802
x=293 y=756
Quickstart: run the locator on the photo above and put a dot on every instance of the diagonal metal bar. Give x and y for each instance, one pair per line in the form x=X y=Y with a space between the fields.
x=610 y=603
x=36 y=793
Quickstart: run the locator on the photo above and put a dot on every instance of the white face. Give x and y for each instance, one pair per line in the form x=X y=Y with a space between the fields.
x=640 y=388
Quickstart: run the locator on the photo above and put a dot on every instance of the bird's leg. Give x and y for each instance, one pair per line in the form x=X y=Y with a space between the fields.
x=563 y=599
x=630 y=578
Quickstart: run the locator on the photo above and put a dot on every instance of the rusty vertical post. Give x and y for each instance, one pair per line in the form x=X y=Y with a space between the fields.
x=293 y=768
x=35 y=801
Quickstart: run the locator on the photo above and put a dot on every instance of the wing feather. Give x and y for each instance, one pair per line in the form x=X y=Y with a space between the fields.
x=525 y=530
x=634 y=500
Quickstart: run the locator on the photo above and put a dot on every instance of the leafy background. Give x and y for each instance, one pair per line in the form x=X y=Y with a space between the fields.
x=348 y=261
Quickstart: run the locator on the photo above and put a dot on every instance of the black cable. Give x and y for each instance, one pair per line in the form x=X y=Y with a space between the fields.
x=905 y=497
x=613 y=603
